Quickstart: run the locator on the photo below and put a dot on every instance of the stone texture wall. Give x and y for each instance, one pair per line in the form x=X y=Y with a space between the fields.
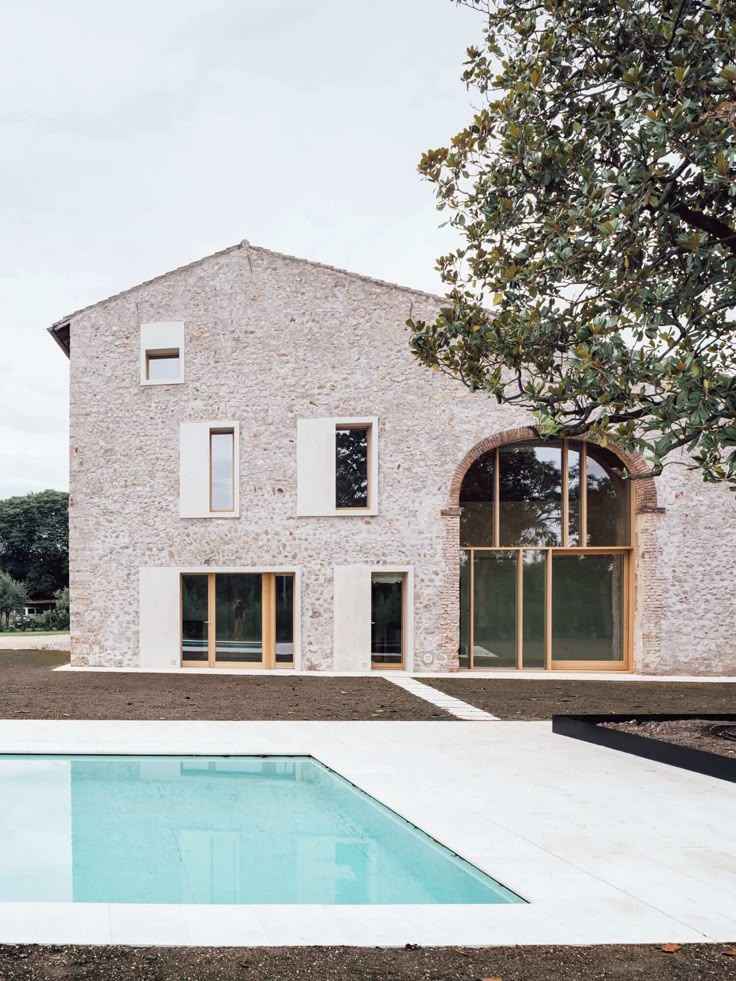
x=270 y=339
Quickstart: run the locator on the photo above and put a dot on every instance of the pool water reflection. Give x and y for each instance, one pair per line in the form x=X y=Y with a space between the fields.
x=214 y=830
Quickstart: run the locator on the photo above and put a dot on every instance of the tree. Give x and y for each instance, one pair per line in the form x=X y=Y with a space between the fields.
x=34 y=540
x=594 y=192
x=13 y=597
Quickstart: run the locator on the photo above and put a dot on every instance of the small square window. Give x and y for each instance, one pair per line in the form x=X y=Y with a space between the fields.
x=163 y=366
x=352 y=479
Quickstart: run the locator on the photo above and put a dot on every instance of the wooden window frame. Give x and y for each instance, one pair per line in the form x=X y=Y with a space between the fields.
x=366 y=427
x=564 y=548
x=161 y=354
x=268 y=623
x=227 y=431
x=401 y=666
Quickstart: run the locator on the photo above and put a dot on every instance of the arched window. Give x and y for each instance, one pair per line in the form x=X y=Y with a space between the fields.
x=545 y=533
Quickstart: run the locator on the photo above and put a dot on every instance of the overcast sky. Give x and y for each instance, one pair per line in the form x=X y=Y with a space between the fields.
x=137 y=136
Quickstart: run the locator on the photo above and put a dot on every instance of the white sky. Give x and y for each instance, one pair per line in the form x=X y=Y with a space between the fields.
x=140 y=135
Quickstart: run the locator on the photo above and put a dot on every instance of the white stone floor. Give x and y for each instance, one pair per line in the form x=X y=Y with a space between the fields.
x=605 y=847
x=496 y=675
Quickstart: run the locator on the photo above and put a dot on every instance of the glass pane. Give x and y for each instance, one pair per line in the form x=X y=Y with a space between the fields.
x=238 y=624
x=476 y=503
x=351 y=468
x=221 y=471
x=284 y=619
x=608 y=499
x=194 y=618
x=531 y=494
x=386 y=617
x=163 y=367
x=573 y=492
x=464 y=651
x=494 y=610
x=587 y=607
x=533 y=610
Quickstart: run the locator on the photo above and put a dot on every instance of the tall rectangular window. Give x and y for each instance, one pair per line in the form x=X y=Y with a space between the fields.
x=387 y=619
x=352 y=446
x=222 y=470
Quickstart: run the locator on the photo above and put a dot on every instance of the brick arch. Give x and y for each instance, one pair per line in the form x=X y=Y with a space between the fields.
x=645 y=490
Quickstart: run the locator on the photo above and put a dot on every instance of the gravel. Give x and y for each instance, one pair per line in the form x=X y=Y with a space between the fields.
x=30 y=689
x=606 y=963
x=541 y=699
x=695 y=733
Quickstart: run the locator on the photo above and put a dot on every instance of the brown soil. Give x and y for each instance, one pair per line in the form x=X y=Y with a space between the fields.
x=695 y=733
x=541 y=699
x=30 y=689
x=607 y=963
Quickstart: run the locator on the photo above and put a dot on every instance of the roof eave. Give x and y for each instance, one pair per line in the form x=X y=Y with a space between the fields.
x=61 y=333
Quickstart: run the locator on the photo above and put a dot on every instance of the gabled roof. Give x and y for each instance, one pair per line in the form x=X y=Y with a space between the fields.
x=61 y=329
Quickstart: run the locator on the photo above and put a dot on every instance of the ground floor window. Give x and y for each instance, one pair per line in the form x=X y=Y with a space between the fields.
x=544 y=608
x=387 y=619
x=237 y=619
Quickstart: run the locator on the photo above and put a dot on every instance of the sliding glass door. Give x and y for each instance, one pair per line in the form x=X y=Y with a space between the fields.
x=243 y=619
x=544 y=608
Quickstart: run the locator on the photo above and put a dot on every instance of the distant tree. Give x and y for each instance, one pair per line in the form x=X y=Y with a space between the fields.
x=594 y=192
x=13 y=597
x=34 y=541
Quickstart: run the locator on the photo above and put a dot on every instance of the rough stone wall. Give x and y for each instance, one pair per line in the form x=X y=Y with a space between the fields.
x=270 y=339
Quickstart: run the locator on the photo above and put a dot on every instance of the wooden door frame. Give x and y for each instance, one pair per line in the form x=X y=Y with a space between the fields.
x=268 y=621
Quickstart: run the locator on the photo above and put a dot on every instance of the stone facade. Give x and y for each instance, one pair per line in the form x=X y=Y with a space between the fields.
x=270 y=339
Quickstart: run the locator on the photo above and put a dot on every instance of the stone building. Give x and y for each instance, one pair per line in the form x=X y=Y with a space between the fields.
x=263 y=476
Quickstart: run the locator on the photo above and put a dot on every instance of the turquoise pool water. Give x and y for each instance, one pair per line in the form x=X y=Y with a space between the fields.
x=142 y=829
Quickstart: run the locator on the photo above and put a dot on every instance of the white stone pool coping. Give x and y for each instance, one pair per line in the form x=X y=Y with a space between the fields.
x=608 y=848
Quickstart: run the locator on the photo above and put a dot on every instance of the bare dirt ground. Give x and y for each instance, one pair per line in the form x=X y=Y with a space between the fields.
x=607 y=963
x=31 y=689
x=694 y=733
x=541 y=699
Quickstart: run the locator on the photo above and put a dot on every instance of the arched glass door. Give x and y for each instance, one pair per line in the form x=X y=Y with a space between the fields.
x=545 y=535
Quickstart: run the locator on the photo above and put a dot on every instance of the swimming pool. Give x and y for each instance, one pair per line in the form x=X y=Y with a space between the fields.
x=215 y=830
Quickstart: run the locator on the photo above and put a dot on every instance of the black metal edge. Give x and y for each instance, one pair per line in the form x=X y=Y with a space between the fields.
x=586 y=728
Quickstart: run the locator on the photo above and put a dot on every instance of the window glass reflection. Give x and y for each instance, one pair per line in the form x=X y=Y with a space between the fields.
x=531 y=494
x=608 y=498
x=351 y=468
x=284 y=586
x=222 y=448
x=587 y=605
x=476 y=502
x=494 y=602
x=387 y=618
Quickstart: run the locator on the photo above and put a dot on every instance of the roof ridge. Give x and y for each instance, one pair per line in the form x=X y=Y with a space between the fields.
x=244 y=244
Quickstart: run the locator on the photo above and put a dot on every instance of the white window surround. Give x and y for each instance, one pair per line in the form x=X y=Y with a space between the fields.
x=315 y=466
x=194 y=468
x=352 y=615
x=161 y=336
x=159 y=635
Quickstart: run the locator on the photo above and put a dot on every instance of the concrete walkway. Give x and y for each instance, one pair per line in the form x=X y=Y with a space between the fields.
x=455 y=706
